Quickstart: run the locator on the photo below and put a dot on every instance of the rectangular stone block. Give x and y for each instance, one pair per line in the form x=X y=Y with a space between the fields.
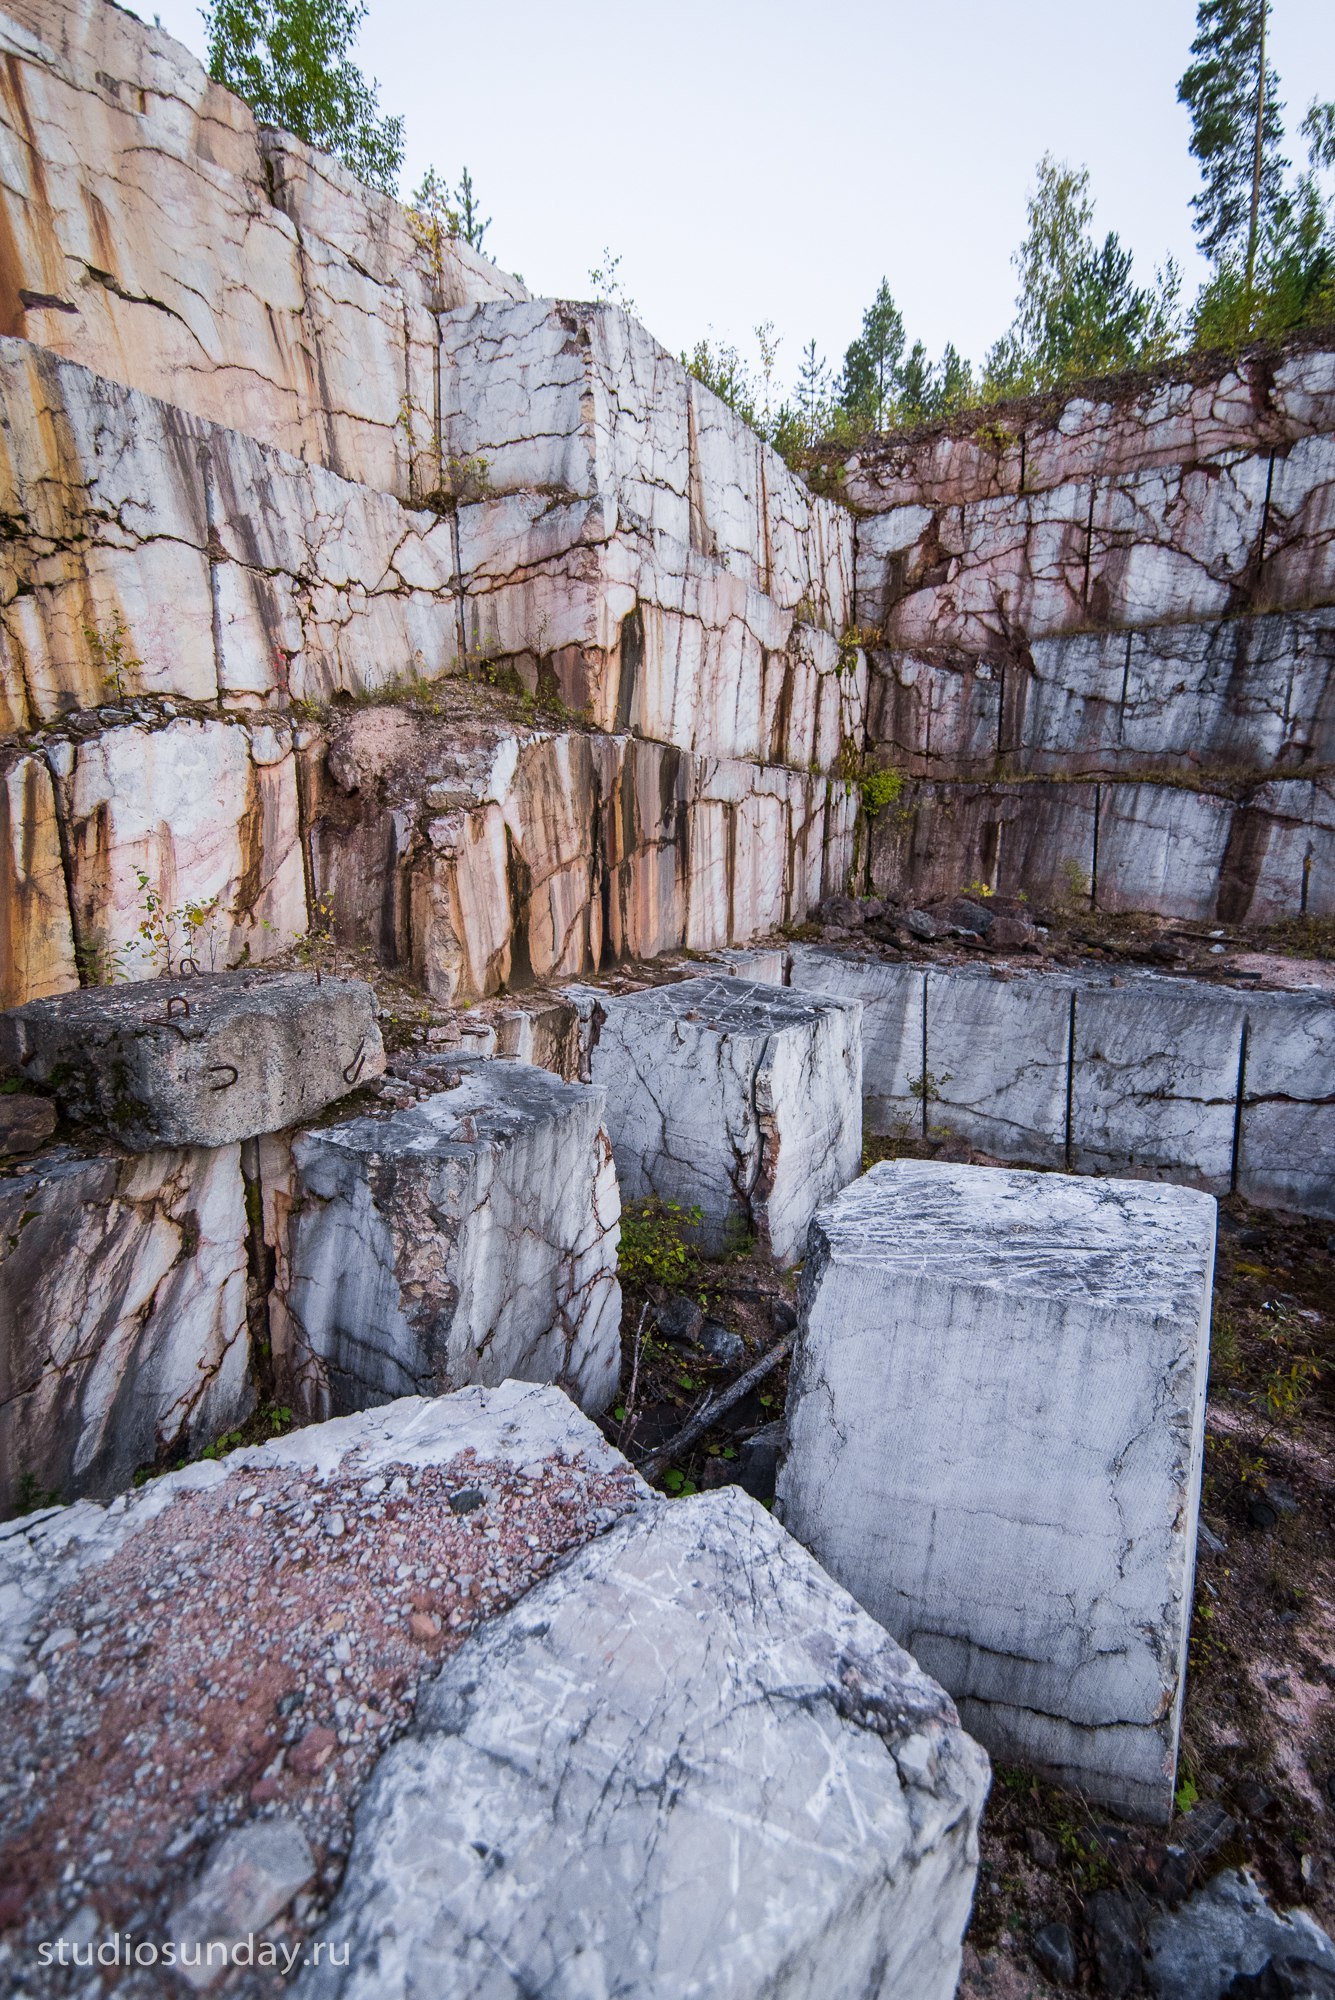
x=996 y=1423
x=198 y=1061
x=1286 y=1132
x=1155 y=1084
x=467 y=1239
x=997 y=1061
x=891 y=998
x=756 y=1795
x=739 y=1099
x=123 y=1327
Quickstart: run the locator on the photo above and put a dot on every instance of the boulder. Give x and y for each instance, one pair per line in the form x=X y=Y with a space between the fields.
x=1225 y=1933
x=995 y=1424
x=687 y=1763
x=466 y=1238
x=198 y=1061
x=742 y=1100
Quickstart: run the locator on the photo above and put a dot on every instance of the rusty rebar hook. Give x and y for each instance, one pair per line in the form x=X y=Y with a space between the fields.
x=215 y=1068
x=358 y=1063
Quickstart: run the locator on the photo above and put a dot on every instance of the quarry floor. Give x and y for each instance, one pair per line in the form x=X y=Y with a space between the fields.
x=1257 y=1772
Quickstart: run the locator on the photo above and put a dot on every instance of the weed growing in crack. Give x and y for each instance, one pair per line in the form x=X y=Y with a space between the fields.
x=654 y=1246
x=112 y=654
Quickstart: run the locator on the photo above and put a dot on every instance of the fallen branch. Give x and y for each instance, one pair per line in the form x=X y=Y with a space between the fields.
x=630 y=1419
x=711 y=1410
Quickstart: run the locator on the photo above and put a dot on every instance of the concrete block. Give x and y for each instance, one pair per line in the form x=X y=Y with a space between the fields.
x=996 y=1422
x=467 y=1239
x=741 y=1099
x=201 y=1061
x=756 y=1796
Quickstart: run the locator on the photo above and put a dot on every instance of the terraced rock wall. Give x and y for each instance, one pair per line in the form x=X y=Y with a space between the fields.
x=1132 y=597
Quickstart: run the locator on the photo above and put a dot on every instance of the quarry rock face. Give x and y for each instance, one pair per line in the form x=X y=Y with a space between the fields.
x=743 y=1101
x=758 y=1793
x=164 y=239
x=198 y=1061
x=123 y=1327
x=467 y=1239
x=1044 y=1521
x=674 y=1789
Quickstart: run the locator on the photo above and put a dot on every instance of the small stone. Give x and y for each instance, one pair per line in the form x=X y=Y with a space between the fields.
x=57 y=1642
x=1042 y=1851
x=1053 y=1950
x=721 y=1344
x=921 y=926
x=253 y=1874
x=313 y=1752
x=1261 y=1512
x=467 y=1500
x=679 y=1319
x=26 y=1122
x=424 y=1626
x=1116 y=1944
x=783 y=1317
x=334 y=1526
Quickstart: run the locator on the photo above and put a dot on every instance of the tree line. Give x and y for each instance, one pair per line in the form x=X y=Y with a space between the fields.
x=1268 y=233
x=1267 y=230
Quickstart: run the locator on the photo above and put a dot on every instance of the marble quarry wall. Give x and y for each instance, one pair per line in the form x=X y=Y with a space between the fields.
x=272 y=464
x=1102 y=639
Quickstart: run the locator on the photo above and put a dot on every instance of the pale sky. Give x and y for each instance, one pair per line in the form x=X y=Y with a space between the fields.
x=771 y=162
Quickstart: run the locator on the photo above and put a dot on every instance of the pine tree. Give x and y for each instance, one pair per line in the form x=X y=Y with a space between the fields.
x=813 y=388
x=1236 y=130
x=471 y=226
x=871 y=365
x=289 y=60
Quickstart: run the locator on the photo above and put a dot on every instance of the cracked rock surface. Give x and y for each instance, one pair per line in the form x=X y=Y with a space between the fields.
x=198 y=1061
x=469 y=1238
x=123 y=1326
x=1106 y=1072
x=754 y=1793
x=742 y=1100
x=1010 y=1367
x=209 y=1668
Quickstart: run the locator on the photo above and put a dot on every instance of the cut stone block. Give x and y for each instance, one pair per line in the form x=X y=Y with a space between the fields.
x=996 y=1424
x=687 y=1763
x=324 y=1574
x=891 y=997
x=467 y=1239
x=122 y=1317
x=1154 y=1086
x=1286 y=1138
x=739 y=1099
x=201 y=1061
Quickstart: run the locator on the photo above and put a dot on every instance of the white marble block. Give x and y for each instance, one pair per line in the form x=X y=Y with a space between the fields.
x=468 y=1239
x=686 y=1764
x=996 y=1424
x=739 y=1099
